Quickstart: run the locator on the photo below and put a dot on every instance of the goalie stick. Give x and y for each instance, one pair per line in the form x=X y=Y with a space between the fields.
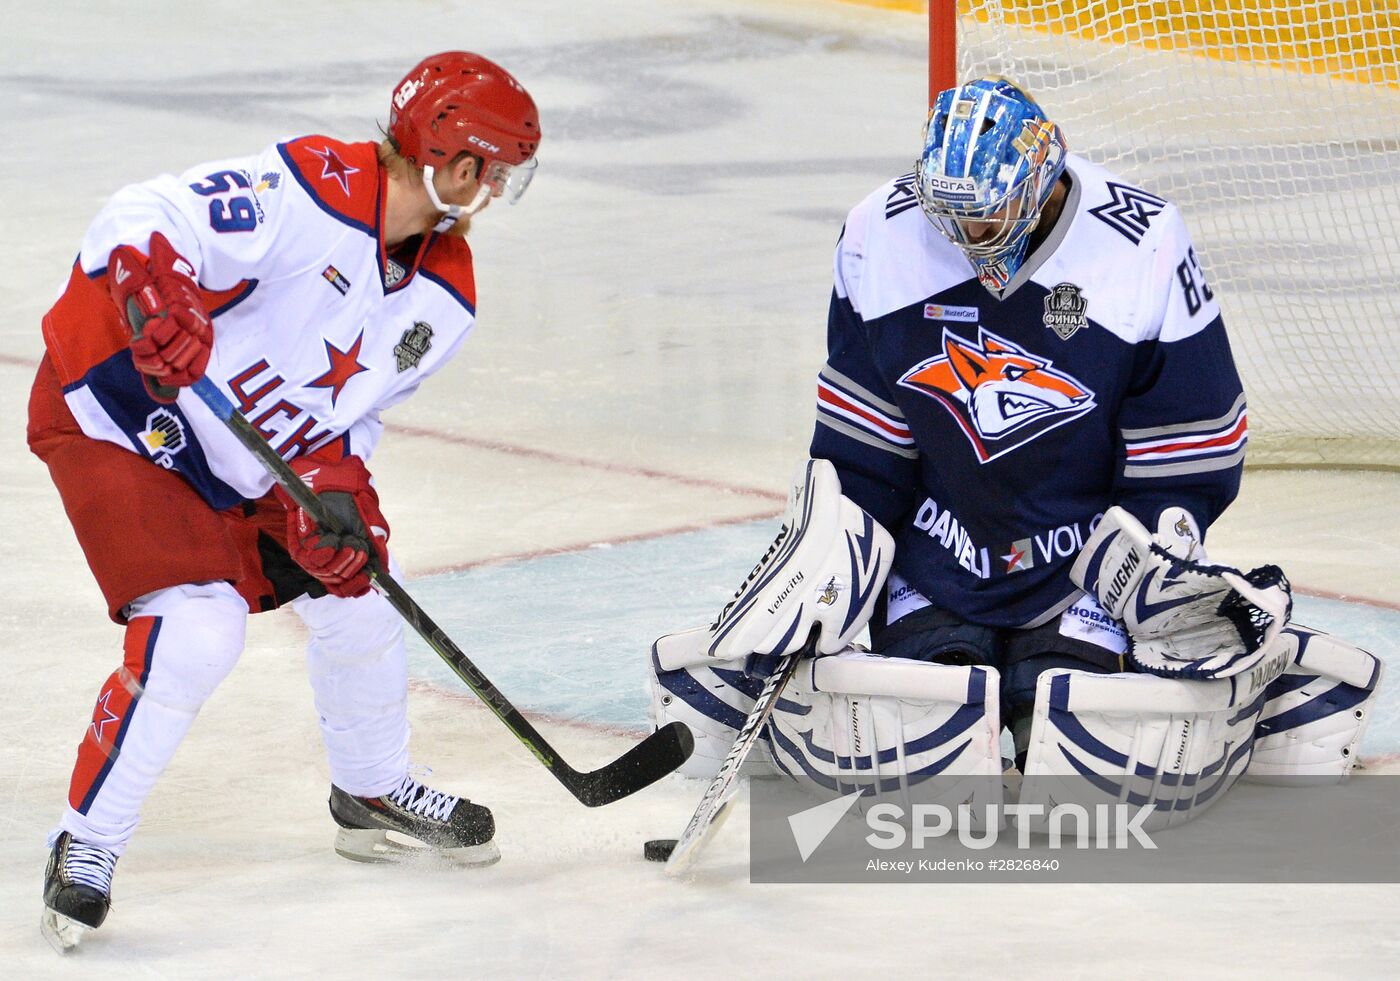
x=714 y=805
x=642 y=765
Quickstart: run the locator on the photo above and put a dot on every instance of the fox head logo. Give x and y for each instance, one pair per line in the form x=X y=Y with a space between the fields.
x=1001 y=395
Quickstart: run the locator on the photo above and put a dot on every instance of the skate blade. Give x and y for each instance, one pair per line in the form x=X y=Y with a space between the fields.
x=378 y=845
x=62 y=933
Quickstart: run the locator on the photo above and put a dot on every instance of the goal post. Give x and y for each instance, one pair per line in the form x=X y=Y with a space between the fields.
x=1275 y=126
x=942 y=46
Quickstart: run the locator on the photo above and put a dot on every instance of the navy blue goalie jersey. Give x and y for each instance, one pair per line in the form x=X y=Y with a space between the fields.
x=989 y=432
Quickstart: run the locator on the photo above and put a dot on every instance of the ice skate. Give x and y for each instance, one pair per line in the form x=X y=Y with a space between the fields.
x=77 y=891
x=413 y=820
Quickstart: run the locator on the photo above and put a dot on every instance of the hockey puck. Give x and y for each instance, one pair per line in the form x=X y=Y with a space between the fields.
x=659 y=849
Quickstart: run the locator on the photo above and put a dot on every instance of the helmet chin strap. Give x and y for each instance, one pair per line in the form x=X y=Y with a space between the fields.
x=451 y=213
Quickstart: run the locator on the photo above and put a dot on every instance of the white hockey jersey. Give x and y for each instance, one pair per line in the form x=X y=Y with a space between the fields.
x=317 y=329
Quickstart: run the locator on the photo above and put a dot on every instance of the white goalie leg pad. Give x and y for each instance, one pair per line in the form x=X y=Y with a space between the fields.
x=1142 y=740
x=890 y=725
x=713 y=698
x=824 y=569
x=1315 y=713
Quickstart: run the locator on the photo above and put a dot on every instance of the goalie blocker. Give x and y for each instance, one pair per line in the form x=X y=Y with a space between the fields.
x=1295 y=705
x=824 y=570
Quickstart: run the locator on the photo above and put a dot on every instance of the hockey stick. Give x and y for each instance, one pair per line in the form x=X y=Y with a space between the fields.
x=642 y=765
x=714 y=805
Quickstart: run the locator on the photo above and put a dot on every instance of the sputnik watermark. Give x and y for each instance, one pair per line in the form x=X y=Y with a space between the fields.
x=1110 y=826
x=895 y=826
x=960 y=829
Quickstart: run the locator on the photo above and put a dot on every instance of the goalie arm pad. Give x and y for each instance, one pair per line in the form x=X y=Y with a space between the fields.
x=1185 y=618
x=824 y=569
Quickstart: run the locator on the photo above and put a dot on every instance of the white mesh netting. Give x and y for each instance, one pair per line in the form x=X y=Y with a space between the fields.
x=1275 y=126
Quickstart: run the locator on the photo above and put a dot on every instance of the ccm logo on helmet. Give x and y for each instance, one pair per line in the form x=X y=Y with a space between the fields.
x=406 y=91
x=488 y=147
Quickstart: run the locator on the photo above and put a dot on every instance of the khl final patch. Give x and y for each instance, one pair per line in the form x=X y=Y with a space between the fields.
x=412 y=346
x=1064 y=310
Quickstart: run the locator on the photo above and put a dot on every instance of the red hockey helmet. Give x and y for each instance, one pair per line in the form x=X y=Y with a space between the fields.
x=457 y=101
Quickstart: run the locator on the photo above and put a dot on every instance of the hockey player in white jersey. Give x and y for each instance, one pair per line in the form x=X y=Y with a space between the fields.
x=1029 y=386
x=316 y=284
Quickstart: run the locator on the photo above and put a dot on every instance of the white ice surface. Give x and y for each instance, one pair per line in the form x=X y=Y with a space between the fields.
x=652 y=316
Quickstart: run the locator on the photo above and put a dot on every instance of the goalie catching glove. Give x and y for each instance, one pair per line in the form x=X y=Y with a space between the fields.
x=1185 y=618
x=824 y=569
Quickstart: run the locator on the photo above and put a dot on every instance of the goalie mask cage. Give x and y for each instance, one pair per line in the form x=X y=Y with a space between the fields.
x=1275 y=126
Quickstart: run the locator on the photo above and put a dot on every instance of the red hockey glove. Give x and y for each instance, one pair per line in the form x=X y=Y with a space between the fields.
x=339 y=561
x=171 y=333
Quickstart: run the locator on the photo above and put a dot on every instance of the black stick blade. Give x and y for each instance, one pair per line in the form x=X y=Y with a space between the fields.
x=641 y=766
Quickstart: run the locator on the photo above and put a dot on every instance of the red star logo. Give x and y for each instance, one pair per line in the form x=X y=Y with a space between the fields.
x=99 y=725
x=344 y=366
x=333 y=166
x=1014 y=559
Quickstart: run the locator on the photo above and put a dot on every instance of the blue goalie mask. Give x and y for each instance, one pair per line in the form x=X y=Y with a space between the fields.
x=990 y=162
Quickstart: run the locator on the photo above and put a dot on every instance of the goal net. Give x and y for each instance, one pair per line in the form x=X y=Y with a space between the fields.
x=1275 y=126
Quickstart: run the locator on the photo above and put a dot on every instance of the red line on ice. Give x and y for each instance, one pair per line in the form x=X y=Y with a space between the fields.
x=642 y=536
x=497 y=446
x=525 y=451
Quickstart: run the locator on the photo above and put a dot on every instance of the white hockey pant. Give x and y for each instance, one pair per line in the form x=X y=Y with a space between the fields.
x=359 y=680
x=181 y=643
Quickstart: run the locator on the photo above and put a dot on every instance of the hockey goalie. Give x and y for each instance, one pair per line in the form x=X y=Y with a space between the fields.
x=1029 y=410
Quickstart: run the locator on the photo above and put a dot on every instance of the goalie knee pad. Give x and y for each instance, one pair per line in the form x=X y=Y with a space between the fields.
x=1142 y=740
x=713 y=698
x=889 y=725
x=1316 y=712
x=1064 y=642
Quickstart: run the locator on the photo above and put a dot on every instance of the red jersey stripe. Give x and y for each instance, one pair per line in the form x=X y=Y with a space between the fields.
x=831 y=397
